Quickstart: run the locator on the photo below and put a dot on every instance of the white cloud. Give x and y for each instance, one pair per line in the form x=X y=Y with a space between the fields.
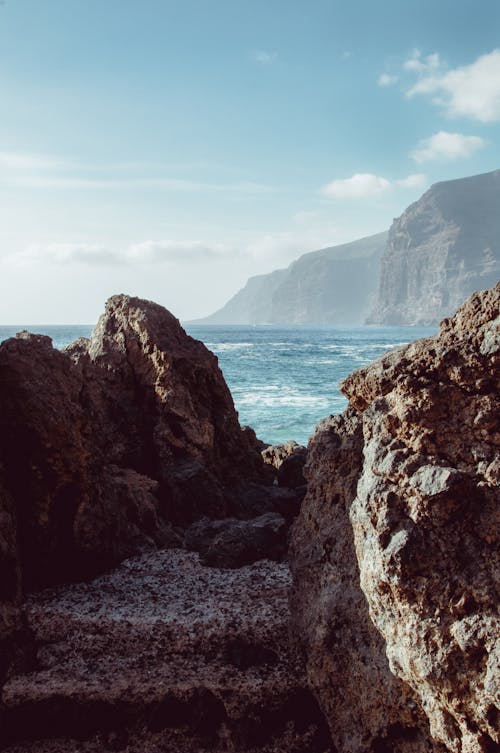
x=367 y=185
x=64 y=253
x=146 y=252
x=448 y=146
x=471 y=91
x=26 y=161
x=386 y=79
x=417 y=180
x=173 y=251
x=422 y=65
x=264 y=57
x=306 y=215
x=359 y=186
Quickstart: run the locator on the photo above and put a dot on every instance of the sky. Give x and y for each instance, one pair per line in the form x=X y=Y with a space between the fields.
x=170 y=150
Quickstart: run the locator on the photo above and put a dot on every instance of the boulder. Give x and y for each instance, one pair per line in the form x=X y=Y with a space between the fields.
x=109 y=445
x=288 y=459
x=233 y=543
x=399 y=532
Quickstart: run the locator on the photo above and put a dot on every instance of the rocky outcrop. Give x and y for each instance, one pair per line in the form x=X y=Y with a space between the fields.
x=111 y=445
x=335 y=285
x=231 y=543
x=403 y=497
x=289 y=460
x=163 y=655
x=443 y=247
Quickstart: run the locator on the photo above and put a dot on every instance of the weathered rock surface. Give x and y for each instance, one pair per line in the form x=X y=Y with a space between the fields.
x=443 y=247
x=109 y=445
x=230 y=543
x=163 y=655
x=415 y=464
x=289 y=460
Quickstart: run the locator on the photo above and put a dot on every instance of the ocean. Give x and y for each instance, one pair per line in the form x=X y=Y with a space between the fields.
x=283 y=379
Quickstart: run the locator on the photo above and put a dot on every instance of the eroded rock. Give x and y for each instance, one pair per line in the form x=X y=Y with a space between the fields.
x=415 y=465
x=109 y=445
x=163 y=655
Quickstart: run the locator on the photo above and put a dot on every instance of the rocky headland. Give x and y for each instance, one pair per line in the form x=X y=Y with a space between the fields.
x=441 y=249
x=146 y=601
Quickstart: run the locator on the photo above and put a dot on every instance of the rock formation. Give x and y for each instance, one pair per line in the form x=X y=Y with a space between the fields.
x=163 y=655
x=335 y=285
x=403 y=497
x=443 y=247
x=289 y=460
x=108 y=446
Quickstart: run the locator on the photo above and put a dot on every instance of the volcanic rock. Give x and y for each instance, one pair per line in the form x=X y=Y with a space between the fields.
x=414 y=463
x=289 y=460
x=108 y=446
x=233 y=543
x=163 y=655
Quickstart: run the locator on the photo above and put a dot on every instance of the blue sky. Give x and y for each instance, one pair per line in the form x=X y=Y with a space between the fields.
x=172 y=149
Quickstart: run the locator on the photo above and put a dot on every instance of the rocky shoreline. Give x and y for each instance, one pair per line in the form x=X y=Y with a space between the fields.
x=126 y=448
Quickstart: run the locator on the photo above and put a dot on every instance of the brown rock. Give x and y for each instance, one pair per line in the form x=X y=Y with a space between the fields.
x=426 y=521
x=289 y=460
x=421 y=488
x=109 y=443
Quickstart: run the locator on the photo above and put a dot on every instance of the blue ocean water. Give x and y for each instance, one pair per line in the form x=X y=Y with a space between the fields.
x=283 y=379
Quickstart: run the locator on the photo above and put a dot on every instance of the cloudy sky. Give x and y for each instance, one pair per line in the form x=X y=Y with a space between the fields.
x=170 y=149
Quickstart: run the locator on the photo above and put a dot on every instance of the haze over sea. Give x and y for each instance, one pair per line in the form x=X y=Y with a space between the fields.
x=283 y=379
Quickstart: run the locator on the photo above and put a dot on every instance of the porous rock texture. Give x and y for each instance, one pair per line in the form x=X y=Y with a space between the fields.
x=109 y=446
x=163 y=655
x=405 y=486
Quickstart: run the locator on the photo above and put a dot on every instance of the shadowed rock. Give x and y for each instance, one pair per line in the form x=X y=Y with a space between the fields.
x=109 y=444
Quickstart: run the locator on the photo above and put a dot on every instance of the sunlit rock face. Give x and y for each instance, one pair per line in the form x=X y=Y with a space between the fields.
x=414 y=465
x=443 y=247
x=110 y=444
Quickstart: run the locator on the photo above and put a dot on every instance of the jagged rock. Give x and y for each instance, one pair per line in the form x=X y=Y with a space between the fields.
x=233 y=543
x=289 y=460
x=109 y=444
x=415 y=464
x=443 y=247
x=163 y=655
x=368 y=709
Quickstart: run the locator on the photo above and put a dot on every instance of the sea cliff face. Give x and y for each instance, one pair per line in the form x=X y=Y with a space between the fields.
x=395 y=554
x=335 y=285
x=443 y=247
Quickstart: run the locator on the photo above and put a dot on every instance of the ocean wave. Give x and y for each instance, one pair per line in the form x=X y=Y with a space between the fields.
x=271 y=401
x=228 y=347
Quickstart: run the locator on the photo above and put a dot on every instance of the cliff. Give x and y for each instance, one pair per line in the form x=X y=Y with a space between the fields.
x=395 y=554
x=443 y=247
x=335 y=285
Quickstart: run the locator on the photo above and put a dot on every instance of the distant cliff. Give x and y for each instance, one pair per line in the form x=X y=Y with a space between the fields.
x=335 y=285
x=443 y=247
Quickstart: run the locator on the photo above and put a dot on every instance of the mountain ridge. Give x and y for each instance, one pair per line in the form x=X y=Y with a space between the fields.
x=442 y=248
